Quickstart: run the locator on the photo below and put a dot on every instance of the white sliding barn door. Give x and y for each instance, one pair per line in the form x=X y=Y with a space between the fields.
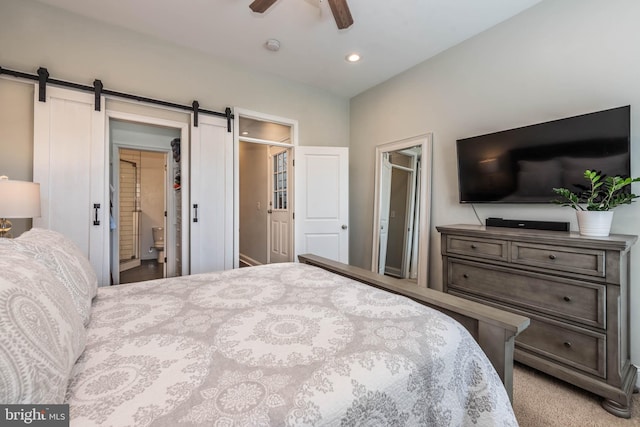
x=69 y=163
x=211 y=201
x=322 y=202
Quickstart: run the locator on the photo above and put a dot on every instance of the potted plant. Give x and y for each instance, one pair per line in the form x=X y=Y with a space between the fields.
x=594 y=205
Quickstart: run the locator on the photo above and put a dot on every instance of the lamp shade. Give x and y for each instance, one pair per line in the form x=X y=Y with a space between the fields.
x=19 y=199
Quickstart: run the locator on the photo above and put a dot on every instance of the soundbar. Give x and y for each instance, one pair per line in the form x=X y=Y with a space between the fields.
x=528 y=224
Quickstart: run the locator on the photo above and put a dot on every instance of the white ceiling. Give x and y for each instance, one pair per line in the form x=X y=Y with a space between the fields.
x=390 y=35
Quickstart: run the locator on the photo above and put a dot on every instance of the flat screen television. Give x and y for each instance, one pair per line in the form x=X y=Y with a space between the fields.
x=523 y=165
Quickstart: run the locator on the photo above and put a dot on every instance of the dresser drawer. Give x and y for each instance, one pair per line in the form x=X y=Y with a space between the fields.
x=581 y=349
x=575 y=260
x=478 y=247
x=567 y=299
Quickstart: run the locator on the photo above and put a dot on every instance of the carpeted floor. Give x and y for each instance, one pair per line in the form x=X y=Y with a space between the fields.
x=540 y=401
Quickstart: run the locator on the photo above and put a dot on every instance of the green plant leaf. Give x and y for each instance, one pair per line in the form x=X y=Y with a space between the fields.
x=604 y=193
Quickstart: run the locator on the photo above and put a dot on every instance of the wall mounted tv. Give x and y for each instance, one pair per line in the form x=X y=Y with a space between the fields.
x=523 y=165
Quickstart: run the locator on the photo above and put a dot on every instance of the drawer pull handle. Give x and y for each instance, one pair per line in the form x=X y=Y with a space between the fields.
x=465 y=275
x=473 y=246
x=567 y=344
x=552 y=256
x=567 y=299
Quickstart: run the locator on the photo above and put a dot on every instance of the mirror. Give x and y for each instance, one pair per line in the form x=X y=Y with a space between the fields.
x=402 y=209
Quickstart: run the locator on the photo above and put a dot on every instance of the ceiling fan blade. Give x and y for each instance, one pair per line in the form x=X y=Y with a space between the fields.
x=260 y=6
x=341 y=13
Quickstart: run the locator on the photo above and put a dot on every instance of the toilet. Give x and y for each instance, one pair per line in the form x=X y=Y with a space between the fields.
x=158 y=242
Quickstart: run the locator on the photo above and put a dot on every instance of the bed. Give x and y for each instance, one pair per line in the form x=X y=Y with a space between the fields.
x=281 y=344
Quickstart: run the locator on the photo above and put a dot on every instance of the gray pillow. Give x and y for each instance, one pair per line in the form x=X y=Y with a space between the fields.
x=41 y=334
x=65 y=260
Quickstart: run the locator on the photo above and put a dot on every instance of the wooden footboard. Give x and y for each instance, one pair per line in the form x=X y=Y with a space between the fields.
x=494 y=330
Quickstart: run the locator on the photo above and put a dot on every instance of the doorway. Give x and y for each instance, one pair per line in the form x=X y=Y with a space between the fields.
x=142 y=204
x=265 y=196
x=144 y=201
x=279 y=239
x=399 y=208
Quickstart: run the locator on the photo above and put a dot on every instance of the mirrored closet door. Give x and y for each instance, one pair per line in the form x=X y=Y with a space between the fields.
x=402 y=211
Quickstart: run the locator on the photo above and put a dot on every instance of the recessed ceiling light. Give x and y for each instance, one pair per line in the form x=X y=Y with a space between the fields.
x=353 y=57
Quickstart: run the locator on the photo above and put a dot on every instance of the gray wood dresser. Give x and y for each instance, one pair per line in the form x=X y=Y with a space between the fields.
x=575 y=290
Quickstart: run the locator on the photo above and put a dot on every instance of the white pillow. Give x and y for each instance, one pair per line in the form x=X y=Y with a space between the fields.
x=41 y=334
x=60 y=255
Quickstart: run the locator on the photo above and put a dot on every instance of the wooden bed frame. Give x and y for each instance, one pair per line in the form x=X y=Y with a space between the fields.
x=494 y=330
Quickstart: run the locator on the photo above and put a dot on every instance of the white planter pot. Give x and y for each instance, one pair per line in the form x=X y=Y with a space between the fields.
x=594 y=223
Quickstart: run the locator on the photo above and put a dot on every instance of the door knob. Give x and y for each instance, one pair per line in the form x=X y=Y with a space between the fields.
x=344 y=226
x=269 y=211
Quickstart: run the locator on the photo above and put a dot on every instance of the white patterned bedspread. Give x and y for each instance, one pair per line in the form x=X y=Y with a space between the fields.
x=283 y=344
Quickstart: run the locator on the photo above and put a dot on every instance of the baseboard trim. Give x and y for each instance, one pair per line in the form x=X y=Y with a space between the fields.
x=248 y=260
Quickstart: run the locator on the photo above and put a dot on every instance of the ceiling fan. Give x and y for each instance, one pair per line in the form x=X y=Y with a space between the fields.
x=339 y=8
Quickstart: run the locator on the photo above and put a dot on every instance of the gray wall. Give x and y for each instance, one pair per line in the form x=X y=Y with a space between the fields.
x=16 y=134
x=81 y=50
x=557 y=59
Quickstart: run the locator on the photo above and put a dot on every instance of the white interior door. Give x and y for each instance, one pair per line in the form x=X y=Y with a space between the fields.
x=69 y=163
x=211 y=201
x=385 y=202
x=279 y=211
x=322 y=202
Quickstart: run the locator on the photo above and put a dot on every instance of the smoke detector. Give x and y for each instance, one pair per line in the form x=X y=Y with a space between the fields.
x=272 y=45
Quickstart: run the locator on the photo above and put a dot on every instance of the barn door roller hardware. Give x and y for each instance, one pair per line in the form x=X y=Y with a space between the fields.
x=97 y=89
x=195 y=105
x=43 y=78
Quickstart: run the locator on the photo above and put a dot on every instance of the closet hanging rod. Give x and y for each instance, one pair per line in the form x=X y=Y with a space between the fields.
x=43 y=78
